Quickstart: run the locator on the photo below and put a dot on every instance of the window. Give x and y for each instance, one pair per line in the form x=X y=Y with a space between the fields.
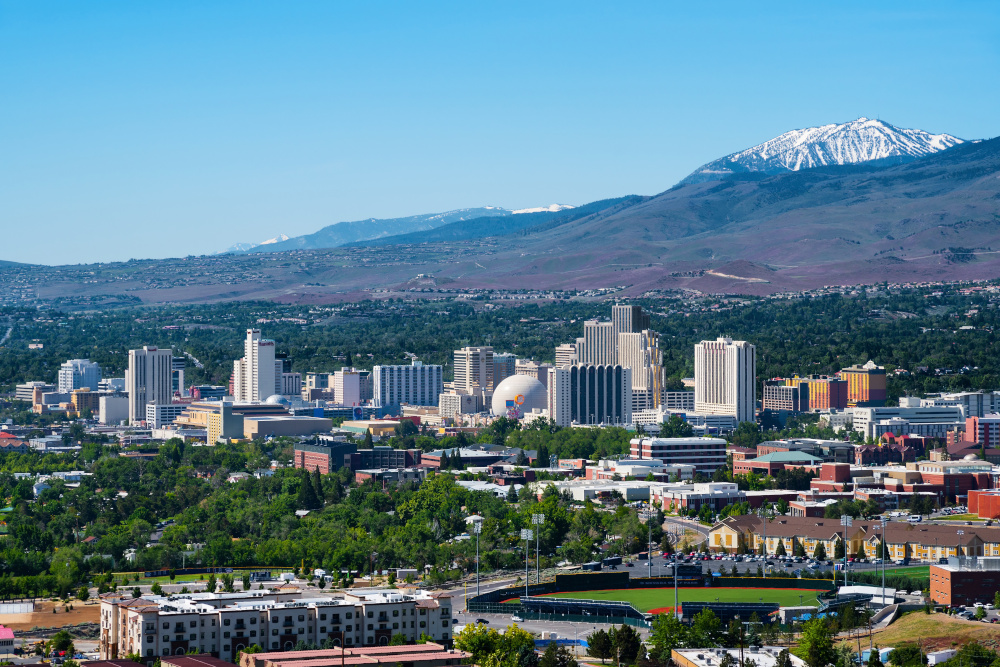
x=322 y=629
x=225 y=647
x=371 y=627
x=322 y=617
x=301 y=617
x=166 y=638
x=149 y=639
x=371 y=614
x=302 y=631
x=193 y=624
x=253 y=633
x=423 y=624
x=166 y=626
x=395 y=612
x=274 y=632
x=395 y=626
x=213 y=635
x=203 y=635
x=274 y=645
x=225 y=635
x=274 y=619
x=423 y=612
x=166 y=651
x=226 y=622
x=193 y=636
x=149 y=651
x=253 y=621
x=350 y=615
x=202 y=622
x=213 y=622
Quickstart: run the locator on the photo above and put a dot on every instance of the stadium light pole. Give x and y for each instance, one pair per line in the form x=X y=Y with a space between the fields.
x=763 y=526
x=649 y=541
x=846 y=522
x=882 y=558
x=477 y=528
x=526 y=535
x=537 y=520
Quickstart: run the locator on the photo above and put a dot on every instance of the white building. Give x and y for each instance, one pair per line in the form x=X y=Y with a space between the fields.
x=474 y=370
x=291 y=384
x=947 y=417
x=599 y=344
x=79 y=374
x=347 y=387
x=682 y=401
x=565 y=355
x=451 y=405
x=692 y=496
x=973 y=403
x=113 y=409
x=159 y=415
x=416 y=384
x=725 y=374
x=257 y=375
x=148 y=380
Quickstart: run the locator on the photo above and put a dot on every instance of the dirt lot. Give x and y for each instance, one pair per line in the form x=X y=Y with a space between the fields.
x=42 y=617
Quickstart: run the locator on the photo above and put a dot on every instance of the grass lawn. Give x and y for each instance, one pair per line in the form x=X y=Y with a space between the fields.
x=959 y=517
x=935 y=631
x=918 y=571
x=647 y=599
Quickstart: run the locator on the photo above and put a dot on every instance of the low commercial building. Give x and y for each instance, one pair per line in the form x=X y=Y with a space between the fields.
x=383 y=457
x=716 y=495
x=965 y=581
x=769 y=464
x=705 y=454
x=391 y=476
x=429 y=654
x=323 y=456
x=764 y=656
x=159 y=415
x=260 y=427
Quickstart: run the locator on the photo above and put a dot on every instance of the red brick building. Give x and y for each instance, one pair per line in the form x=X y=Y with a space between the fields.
x=955 y=585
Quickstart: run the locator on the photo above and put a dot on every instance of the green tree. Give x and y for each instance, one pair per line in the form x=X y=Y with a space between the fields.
x=479 y=640
x=317 y=483
x=907 y=656
x=819 y=553
x=369 y=444
x=512 y=495
x=83 y=594
x=556 y=656
x=156 y=589
x=61 y=641
x=211 y=583
x=667 y=634
x=625 y=643
x=838 y=549
x=980 y=613
x=246 y=581
x=227 y=583
x=800 y=550
x=782 y=506
x=874 y=657
x=398 y=640
x=816 y=644
x=599 y=645
x=780 y=551
x=706 y=630
x=675 y=427
x=784 y=659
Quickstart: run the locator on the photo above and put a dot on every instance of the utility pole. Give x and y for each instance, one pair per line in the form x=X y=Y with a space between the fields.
x=846 y=522
x=537 y=520
x=477 y=528
x=526 y=535
x=763 y=523
x=882 y=558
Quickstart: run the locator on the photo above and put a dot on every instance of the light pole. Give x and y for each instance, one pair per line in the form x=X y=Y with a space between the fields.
x=763 y=527
x=846 y=522
x=526 y=535
x=958 y=542
x=649 y=540
x=477 y=528
x=537 y=520
x=882 y=558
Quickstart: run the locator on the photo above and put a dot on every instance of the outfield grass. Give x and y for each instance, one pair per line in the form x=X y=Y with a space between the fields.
x=918 y=571
x=647 y=599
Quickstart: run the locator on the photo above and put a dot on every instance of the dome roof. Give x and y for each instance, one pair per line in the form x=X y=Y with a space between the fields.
x=526 y=392
x=277 y=399
x=970 y=457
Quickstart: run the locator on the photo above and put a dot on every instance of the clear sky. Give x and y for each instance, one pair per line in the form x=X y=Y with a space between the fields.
x=157 y=129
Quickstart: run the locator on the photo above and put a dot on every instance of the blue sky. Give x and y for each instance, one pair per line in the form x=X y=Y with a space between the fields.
x=140 y=129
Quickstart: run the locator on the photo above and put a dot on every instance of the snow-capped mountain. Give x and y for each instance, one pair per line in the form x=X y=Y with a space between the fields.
x=247 y=247
x=551 y=208
x=861 y=140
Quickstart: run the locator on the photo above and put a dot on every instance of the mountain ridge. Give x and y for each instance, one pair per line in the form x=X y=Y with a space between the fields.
x=854 y=142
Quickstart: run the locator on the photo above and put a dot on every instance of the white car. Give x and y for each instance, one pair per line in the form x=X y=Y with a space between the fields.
x=517 y=619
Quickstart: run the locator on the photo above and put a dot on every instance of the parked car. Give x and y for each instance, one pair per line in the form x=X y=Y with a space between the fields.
x=517 y=619
x=483 y=621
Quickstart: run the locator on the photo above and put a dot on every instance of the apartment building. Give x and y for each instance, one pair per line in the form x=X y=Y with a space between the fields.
x=222 y=624
x=415 y=384
x=725 y=378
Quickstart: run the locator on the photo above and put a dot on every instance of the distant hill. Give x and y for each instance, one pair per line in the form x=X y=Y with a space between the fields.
x=861 y=140
x=343 y=233
x=501 y=226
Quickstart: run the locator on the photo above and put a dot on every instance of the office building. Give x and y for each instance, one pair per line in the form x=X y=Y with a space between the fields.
x=451 y=405
x=258 y=374
x=566 y=355
x=177 y=375
x=473 y=370
x=148 y=380
x=383 y=457
x=416 y=384
x=533 y=369
x=629 y=319
x=984 y=431
x=973 y=403
x=291 y=384
x=264 y=426
x=905 y=419
x=347 y=387
x=599 y=344
x=504 y=365
x=79 y=374
x=84 y=401
x=705 y=454
x=866 y=385
x=822 y=392
x=640 y=352
x=111 y=385
x=588 y=394
x=207 y=392
x=324 y=456
x=159 y=415
x=780 y=396
x=682 y=401
x=113 y=410
x=26 y=392
x=725 y=378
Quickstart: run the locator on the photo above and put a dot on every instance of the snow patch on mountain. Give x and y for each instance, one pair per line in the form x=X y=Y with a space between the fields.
x=861 y=140
x=551 y=208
